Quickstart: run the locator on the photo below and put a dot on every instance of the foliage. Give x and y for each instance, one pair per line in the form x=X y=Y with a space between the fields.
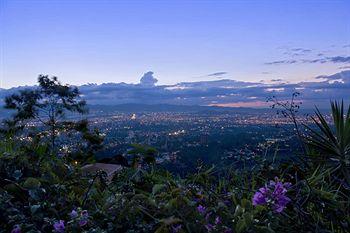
x=333 y=145
x=47 y=104
x=142 y=155
x=47 y=107
x=41 y=191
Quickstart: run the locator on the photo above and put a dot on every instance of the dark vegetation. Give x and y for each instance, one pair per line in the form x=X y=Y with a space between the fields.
x=43 y=189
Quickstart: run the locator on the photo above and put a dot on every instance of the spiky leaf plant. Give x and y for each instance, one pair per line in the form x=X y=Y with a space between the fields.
x=332 y=142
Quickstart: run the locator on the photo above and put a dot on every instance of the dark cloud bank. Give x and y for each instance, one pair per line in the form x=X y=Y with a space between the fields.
x=223 y=92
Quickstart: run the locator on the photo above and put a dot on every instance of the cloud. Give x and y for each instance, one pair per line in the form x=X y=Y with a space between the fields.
x=320 y=60
x=217 y=74
x=296 y=51
x=335 y=59
x=281 y=62
x=301 y=50
x=147 y=80
x=223 y=92
x=339 y=59
x=306 y=54
x=344 y=75
x=276 y=80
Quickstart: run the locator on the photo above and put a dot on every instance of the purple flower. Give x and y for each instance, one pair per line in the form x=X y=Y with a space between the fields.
x=59 y=226
x=207 y=216
x=201 y=209
x=176 y=228
x=228 y=230
x=84 y=213
x=73 y=214
x=83 y=222
x=209 y=227
x=261 y=197
x=84 y=218
x=273 y=195
x=217 y=220
x=16 y=229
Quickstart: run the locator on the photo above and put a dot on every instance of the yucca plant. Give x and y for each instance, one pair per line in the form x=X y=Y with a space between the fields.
x=332 y=142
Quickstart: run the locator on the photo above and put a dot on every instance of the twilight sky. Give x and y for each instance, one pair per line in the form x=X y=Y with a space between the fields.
x=97 y=41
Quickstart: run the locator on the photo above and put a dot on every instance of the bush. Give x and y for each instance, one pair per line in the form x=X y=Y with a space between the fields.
x=41 y=191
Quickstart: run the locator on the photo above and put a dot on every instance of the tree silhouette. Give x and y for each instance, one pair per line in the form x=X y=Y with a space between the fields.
x=47 y=104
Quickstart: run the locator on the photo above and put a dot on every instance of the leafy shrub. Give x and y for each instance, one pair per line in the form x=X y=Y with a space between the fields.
x=43 y=192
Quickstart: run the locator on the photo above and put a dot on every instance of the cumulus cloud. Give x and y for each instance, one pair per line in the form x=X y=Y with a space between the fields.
x=223 y=92
x=228 y=92
x=147 y=80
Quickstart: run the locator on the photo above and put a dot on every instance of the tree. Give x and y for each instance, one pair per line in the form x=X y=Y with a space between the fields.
x=91 y=142
x=142 y=154
x=47 y=104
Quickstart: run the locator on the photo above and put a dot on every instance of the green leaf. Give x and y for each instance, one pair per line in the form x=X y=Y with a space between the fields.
x=31 y=183
x=241 y=226
x=157 y=188
x=238 y=211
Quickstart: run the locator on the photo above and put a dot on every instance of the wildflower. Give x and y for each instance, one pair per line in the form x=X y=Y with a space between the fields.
x=201 y=209
x=16 y=229
x=207 y=216
x=261 y=197
x=176 y=228
x=83 y=222
x=217 y=220
x=84 y=213
x=59 y=226
x=274 y=195
x=228 y=230
x=84 y=218
x=73 y=214
x=209 y=227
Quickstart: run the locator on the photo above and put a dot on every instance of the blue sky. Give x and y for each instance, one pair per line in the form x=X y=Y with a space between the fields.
x=117 y=41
